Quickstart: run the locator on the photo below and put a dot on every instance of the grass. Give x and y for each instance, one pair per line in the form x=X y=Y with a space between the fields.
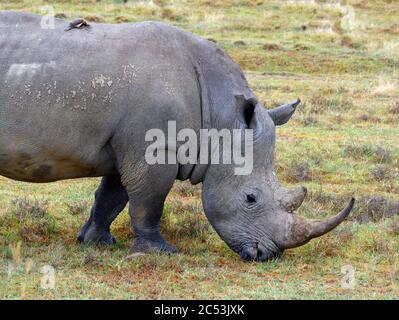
x=342 y=61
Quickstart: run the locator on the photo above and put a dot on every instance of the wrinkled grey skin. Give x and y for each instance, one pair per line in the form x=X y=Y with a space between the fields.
x=78 y=104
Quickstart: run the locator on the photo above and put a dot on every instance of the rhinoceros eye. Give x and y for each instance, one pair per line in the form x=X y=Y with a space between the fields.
x=251 y=198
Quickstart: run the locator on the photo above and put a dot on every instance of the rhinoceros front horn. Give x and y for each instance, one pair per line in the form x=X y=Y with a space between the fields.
x=299 y=231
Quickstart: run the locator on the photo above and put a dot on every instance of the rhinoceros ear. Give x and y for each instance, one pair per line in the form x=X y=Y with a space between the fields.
x=282 y=114
x=246 y=110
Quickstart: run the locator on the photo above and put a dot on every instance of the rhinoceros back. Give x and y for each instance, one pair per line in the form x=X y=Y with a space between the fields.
x=64 y=94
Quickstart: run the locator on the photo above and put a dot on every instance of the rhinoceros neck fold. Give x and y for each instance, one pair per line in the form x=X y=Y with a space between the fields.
x=204 y=97
x=218 y=80
x=199 y=170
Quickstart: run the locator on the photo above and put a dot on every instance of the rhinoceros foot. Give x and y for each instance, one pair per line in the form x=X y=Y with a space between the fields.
x=152 y=245
x=93 y=235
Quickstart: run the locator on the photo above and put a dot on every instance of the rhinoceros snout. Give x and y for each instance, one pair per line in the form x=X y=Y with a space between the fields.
x=259 y=253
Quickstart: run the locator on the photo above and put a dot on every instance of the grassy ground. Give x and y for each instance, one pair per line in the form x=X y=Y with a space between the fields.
x=341 y=58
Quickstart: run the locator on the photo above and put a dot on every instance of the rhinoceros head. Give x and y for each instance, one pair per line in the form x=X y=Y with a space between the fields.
x=253 y=213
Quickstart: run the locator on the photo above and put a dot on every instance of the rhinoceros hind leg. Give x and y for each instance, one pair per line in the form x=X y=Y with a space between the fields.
x=97 y=236
x=110 y=199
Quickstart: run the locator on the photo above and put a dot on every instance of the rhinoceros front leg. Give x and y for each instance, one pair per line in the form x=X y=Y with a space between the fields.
x=110 y=199
x=147 y=192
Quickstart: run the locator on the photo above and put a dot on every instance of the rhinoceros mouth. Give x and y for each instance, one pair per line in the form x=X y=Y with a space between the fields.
x=260 y=253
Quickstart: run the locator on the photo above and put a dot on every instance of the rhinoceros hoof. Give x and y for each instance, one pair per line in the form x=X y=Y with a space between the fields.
x=149 y=246
x=94 y=236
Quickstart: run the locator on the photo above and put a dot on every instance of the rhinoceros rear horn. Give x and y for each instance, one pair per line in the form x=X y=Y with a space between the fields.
x=280 y=115
x=299 y=231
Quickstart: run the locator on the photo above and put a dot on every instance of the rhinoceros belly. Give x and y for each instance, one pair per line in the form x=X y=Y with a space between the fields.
x=31 y=164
